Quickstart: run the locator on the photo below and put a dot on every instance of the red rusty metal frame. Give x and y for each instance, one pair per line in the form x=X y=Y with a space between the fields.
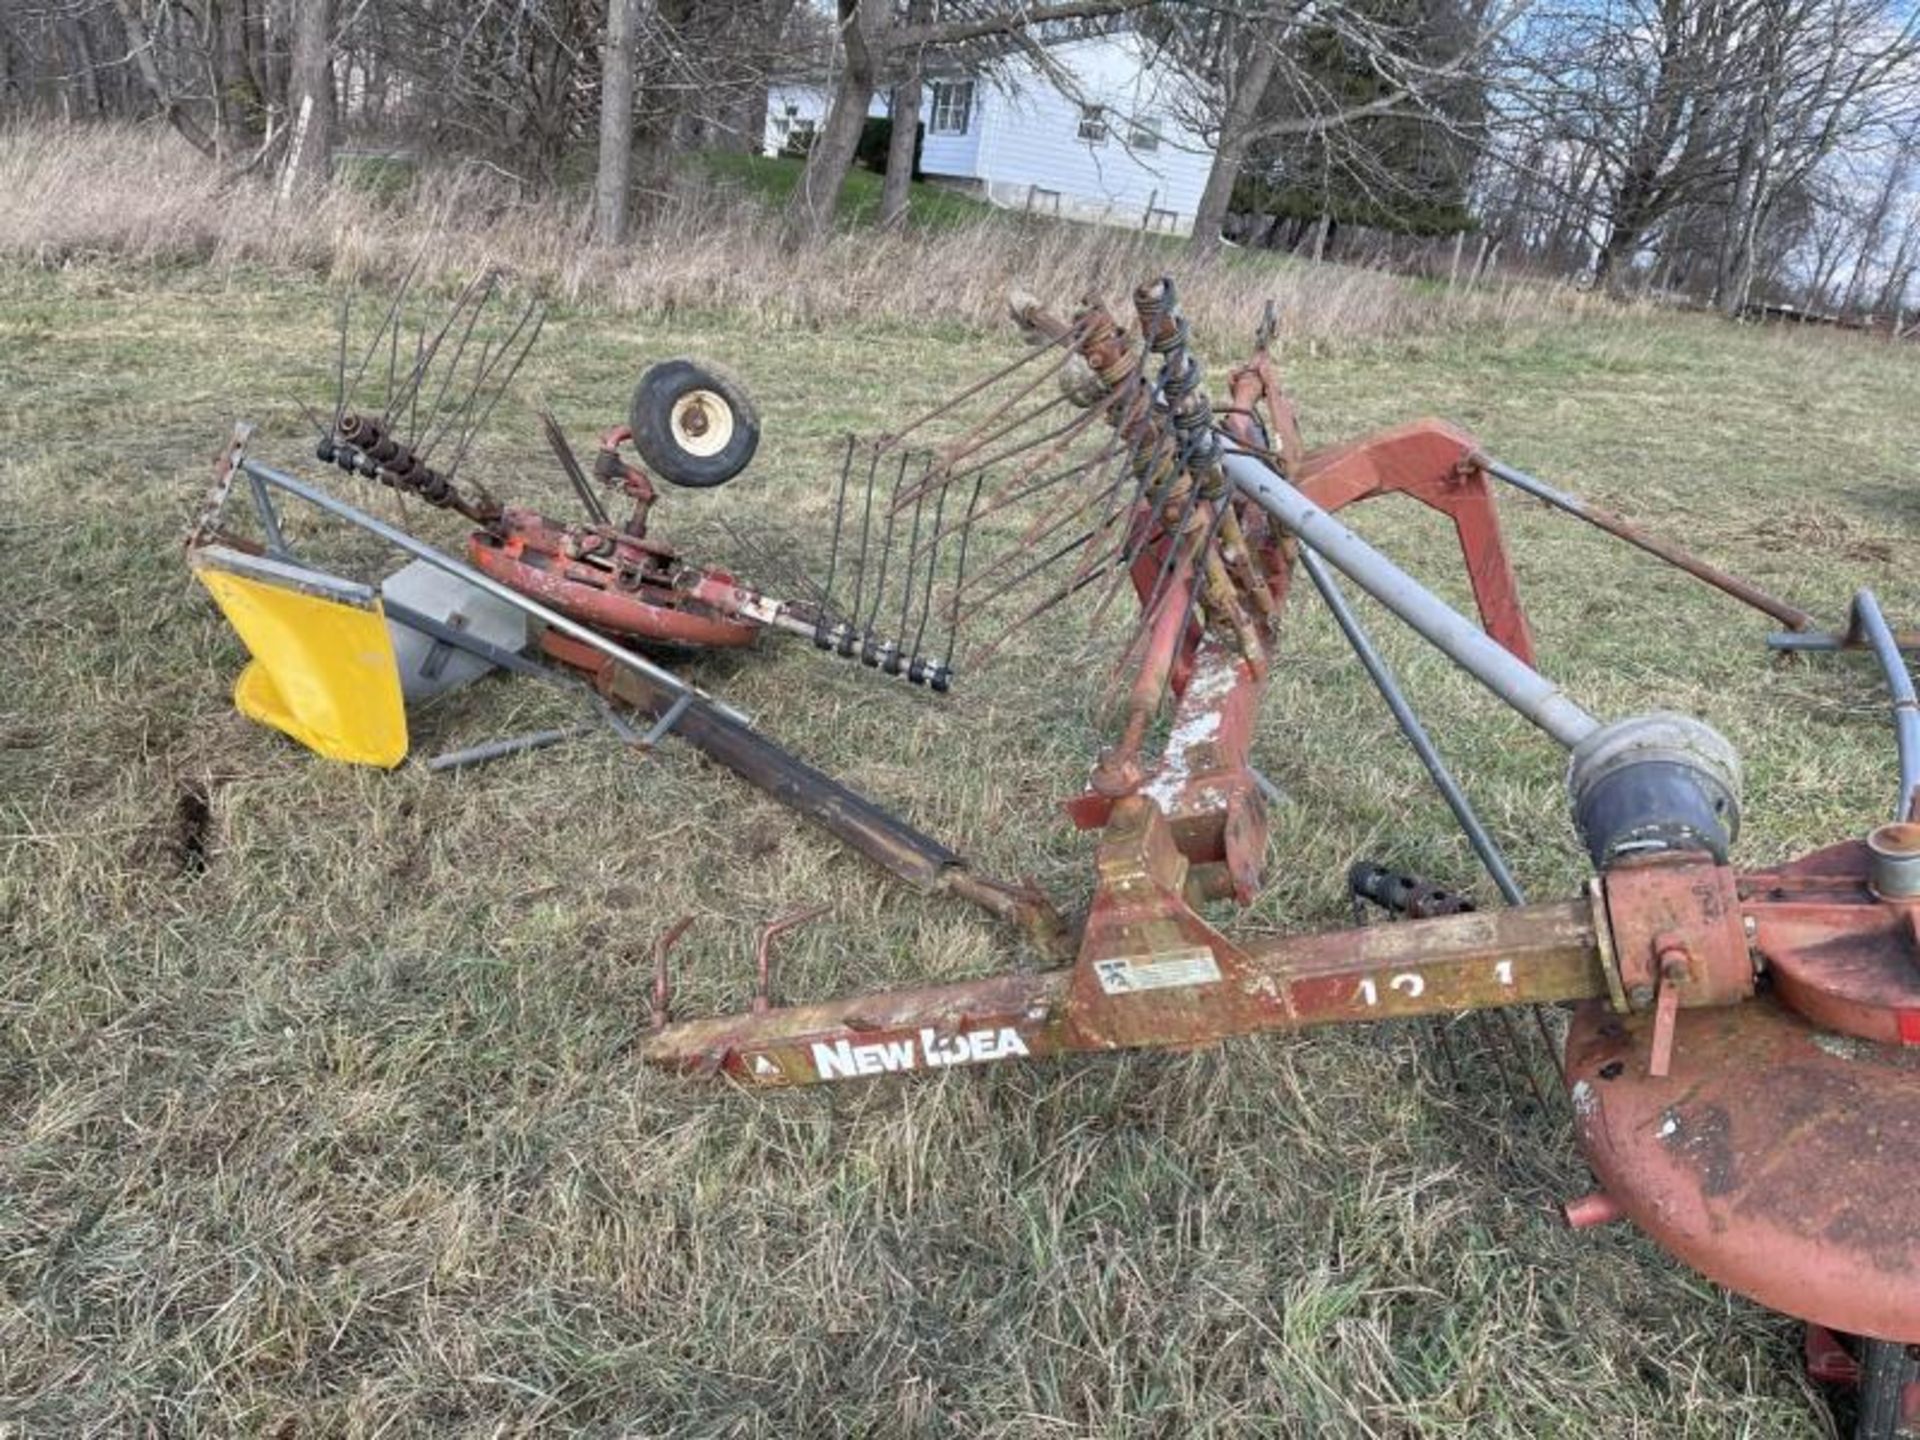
x=1773 y=1157
x=1659 y=953
x=1841 y=955
x=1151 y=972
x=613 y=582
x=1428 y=460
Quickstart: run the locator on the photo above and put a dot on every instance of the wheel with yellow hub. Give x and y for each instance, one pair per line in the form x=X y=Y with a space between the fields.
x=693 y=423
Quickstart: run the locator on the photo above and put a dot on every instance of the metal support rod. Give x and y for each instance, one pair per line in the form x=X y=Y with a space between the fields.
x=669 y=718
x=1470 y=647
x=445 y=634
x=1871 y=625
x=500 y=749
x=420 y=550
x=1796 y=641
x=277 y=545
x=1410 y=726
x=1787 y=614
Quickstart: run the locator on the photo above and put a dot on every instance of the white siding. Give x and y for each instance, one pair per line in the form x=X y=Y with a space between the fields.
x=953 y=155
x=809 y=103
x=1023 y=145
x=1030 y=138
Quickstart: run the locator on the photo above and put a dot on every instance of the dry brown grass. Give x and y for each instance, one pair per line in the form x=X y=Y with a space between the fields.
x=142 y=194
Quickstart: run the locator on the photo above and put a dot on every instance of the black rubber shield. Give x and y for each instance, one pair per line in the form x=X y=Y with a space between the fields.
x=650 y=419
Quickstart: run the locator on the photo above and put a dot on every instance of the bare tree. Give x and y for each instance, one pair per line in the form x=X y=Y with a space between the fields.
x=1817 y=73
x=309 y=161
x=904 y=107
x=614 y=177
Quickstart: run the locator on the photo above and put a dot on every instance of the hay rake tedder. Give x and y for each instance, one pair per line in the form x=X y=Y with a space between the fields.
x=1742 y=1047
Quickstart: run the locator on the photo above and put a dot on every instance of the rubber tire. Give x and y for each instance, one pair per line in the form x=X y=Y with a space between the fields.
x=651 y=413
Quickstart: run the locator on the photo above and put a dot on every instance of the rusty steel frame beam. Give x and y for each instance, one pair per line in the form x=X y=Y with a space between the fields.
x=1533 y=954
x=864 y=827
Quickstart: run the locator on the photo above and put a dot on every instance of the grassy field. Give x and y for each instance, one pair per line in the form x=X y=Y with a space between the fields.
x=320 y=1107
x=771 y=178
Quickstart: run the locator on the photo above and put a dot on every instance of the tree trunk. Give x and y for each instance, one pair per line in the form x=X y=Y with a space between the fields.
x=309 y=162
x=83 y=74
x=140 y=45
x=810 y=210
x=239 y=100
x=1215 y=200
x=613 y=181
x=896 y=191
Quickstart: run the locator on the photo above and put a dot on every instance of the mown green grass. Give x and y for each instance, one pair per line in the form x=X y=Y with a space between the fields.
x=771 y=178
x=343 y=1131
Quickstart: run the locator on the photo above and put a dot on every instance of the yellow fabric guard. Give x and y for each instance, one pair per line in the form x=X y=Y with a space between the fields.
x=323 y=670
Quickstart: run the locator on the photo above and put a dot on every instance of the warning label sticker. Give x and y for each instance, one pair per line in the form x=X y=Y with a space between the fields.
x=1124 y=975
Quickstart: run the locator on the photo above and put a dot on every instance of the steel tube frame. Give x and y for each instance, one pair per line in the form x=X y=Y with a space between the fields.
x=420 y=550
x=1794 y=642
x=1519 y=684
x=1389 y=687
x=1871 y=625
x=1787 y=614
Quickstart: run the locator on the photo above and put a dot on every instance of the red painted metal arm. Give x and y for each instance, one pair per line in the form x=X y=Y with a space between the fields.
x=1523 y=956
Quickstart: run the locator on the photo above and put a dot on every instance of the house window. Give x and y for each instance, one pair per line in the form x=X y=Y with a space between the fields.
x=1093 y=124
x=1141 y=136
x=952 y=106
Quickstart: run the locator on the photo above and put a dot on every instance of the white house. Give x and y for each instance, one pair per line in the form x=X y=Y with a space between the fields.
x=1100 y=140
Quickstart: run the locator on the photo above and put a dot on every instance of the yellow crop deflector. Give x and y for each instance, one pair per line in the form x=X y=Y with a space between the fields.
x=323 y=667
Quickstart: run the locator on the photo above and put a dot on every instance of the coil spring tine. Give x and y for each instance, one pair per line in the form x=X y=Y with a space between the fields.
x=413 y=397
x=373 y=345
x=393 y=367
x=537 y=316
x=1176 y=537
x=869 y=651
x=1044 y=483
x=974 y=440
x=472 y=300
x=960 y=576
x=536 y=313
x=340 y=368
x=1032 y=570
x=1066 y=339
x=1079 y=422
x=1220 y=511
x=933 y=563
x=983 y=657
x=423 y=360
x=833 y=548
x=866 y=527
x=896 y=660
